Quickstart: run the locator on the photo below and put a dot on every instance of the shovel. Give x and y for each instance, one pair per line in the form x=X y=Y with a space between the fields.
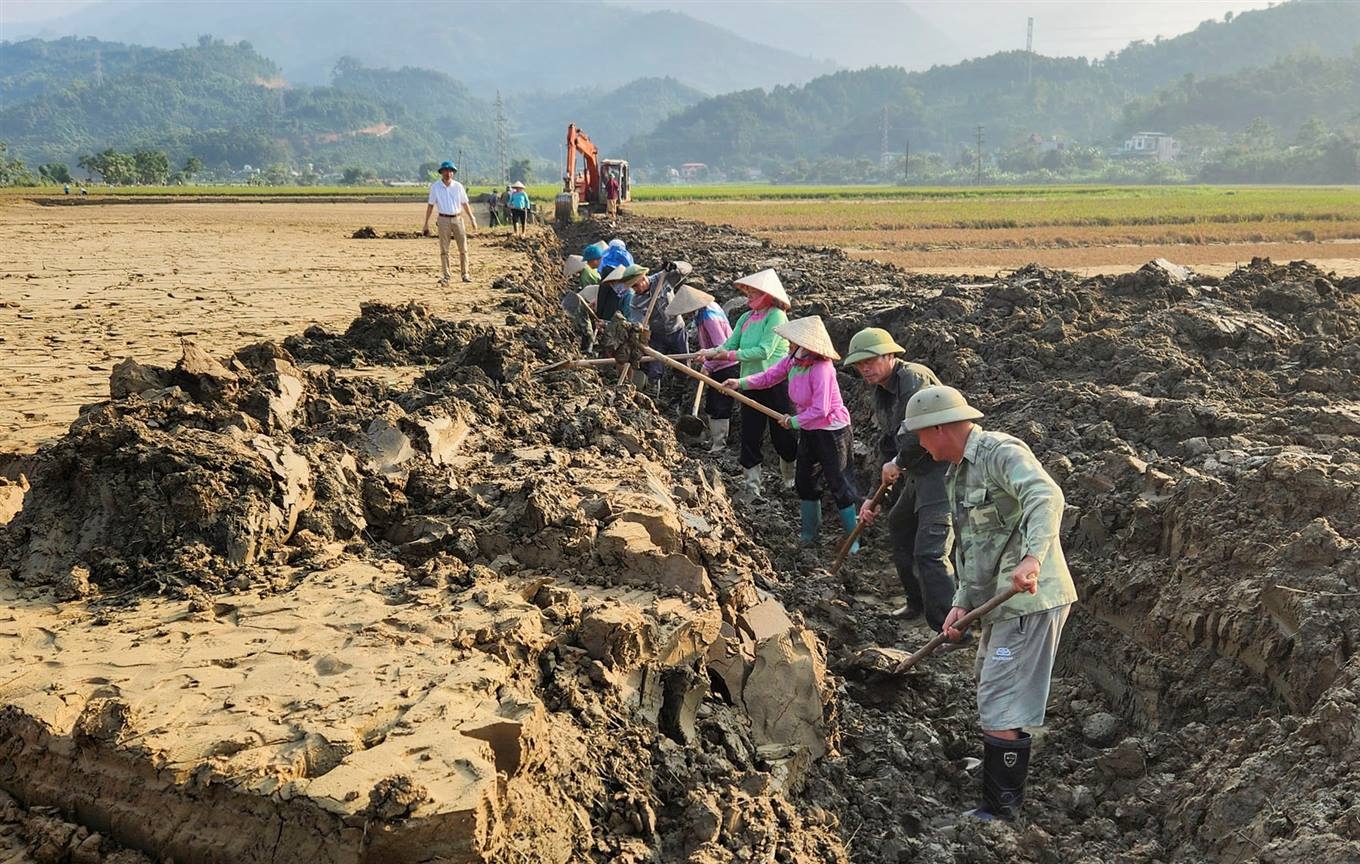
x=859 y=527
x=690 y=424
x=595 y=361
x=712 y=384
x=894 y=662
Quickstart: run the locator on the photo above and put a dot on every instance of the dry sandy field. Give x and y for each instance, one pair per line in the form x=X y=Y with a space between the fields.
x=82 y=287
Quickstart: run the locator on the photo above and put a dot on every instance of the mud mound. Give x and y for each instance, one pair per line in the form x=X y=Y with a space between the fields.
x=559 y=584
x=1205 y=432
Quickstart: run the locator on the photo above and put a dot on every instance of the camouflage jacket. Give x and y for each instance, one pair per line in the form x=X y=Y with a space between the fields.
x=1006 y=507
x=896 y=442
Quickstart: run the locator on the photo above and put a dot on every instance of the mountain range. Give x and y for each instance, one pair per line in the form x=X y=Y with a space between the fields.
x=507 y=45
x=231 y=102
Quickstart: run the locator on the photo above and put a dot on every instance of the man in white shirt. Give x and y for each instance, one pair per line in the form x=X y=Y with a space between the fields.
x=450 y=200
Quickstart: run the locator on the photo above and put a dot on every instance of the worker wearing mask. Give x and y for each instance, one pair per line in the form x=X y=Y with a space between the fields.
x=756 y=345
x=821 y=420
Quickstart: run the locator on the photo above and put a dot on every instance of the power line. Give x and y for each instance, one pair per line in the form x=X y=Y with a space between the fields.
x=500 y=139
x=979 y=155
x=1029 y=51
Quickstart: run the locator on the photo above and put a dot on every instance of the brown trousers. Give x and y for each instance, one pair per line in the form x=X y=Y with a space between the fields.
x=451 y=228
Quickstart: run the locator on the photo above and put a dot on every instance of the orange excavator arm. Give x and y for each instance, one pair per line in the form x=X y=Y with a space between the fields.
x=586 y=185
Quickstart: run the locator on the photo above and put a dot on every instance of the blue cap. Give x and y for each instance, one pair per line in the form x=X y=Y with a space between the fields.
x=593 y=251
x=446 y=165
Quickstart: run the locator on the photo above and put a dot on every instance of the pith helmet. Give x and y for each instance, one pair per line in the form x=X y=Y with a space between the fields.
x=767 y=282
x=632 y=271
x=869 y=343
x=688 y=299
x=573 y=265
x=809 y=333
x=935 y=406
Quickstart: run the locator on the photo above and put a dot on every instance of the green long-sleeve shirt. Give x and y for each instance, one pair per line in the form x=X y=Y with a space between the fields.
x=590 y=276
x=1006 y=507
x=758 y=347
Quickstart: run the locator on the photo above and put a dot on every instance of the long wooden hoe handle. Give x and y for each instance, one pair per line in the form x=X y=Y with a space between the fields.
x=716 y=385
x=962 y=624
x=859 y=527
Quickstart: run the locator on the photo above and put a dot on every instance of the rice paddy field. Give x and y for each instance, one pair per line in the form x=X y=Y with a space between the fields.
x=1082 y=228
x=948 y=229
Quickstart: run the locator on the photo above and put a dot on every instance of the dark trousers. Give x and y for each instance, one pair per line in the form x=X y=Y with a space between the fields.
x=829 y=448
x=666 y=343
x=517 y=218
x=717 y=405
x=921 y=543
x=495 y=220
x=753 y=425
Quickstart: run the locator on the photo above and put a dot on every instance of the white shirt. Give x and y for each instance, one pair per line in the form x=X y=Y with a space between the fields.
x=448 y=199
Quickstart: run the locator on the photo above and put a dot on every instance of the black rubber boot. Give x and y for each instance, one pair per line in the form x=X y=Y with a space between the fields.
x=1005 y=765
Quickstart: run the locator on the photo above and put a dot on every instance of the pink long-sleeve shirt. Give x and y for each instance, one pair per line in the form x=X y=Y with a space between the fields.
x=713 y=329
x=813 y=390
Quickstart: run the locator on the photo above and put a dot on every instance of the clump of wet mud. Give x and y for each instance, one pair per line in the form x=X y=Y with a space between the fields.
x=1205 y=432
x=368 y=232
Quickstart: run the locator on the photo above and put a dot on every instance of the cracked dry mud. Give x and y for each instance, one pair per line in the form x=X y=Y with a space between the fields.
x=383 y=595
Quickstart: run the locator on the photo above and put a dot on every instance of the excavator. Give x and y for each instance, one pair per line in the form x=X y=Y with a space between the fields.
x=584 y=193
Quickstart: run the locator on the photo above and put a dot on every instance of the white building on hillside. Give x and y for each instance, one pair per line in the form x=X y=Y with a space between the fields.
x=1154 y=145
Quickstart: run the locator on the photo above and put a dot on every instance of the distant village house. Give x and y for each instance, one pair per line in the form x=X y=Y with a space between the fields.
x=1153 y=145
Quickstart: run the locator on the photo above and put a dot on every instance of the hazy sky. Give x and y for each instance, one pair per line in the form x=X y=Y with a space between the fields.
x=974 y=27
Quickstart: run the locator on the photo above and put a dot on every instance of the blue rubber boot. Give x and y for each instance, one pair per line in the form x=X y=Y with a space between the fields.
x=850 y=518
x=812 y=521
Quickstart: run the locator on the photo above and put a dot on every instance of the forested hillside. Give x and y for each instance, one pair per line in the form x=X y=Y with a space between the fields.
x=228 y=106
x=1286 y=95
x=1017 y=97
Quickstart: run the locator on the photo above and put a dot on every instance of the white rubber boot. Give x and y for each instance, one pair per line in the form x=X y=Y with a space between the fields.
x=753 y=479
x=787 y=471
x=717 y=430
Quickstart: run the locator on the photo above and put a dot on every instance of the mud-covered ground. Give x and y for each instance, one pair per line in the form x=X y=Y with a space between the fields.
x=1204 y=431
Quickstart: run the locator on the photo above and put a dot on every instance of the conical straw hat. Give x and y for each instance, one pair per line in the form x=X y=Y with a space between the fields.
x=688 y=299
x=614 y=275
x=590 y=293
x=809 y=333
x=573 y=265
x=767 y=282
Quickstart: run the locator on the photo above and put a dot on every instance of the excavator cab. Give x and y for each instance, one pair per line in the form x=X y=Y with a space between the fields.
x=585 y=192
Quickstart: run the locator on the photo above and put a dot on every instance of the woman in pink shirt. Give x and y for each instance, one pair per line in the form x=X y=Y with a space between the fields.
x=822 y=421
x=712 y=328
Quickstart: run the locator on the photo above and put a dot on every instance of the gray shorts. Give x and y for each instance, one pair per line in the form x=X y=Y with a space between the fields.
x=1014 y=667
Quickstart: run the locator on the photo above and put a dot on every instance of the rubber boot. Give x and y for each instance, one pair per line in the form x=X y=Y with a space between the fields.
x=812 y=522
x=849 y=519
x=787 y=471
x=753 y=479
x=717 y=430
x=1005 y=767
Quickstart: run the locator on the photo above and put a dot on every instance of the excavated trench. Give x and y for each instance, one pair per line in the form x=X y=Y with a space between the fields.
x=274 y=607
x=1205 y=432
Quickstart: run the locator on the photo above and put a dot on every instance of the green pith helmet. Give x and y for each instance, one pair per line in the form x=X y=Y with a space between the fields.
x=936 y=406
x=869 y=343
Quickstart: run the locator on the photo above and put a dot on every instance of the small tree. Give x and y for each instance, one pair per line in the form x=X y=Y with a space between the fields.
x=192 y=166
x=55 y=172
x=355 y=175
x=13 y=172
x=520 y=171
x=152 y=167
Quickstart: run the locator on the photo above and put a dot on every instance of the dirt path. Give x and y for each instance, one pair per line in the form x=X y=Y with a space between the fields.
x=83 y=287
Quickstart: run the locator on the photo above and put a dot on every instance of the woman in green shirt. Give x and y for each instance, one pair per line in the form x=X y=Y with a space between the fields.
x=755 y=344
